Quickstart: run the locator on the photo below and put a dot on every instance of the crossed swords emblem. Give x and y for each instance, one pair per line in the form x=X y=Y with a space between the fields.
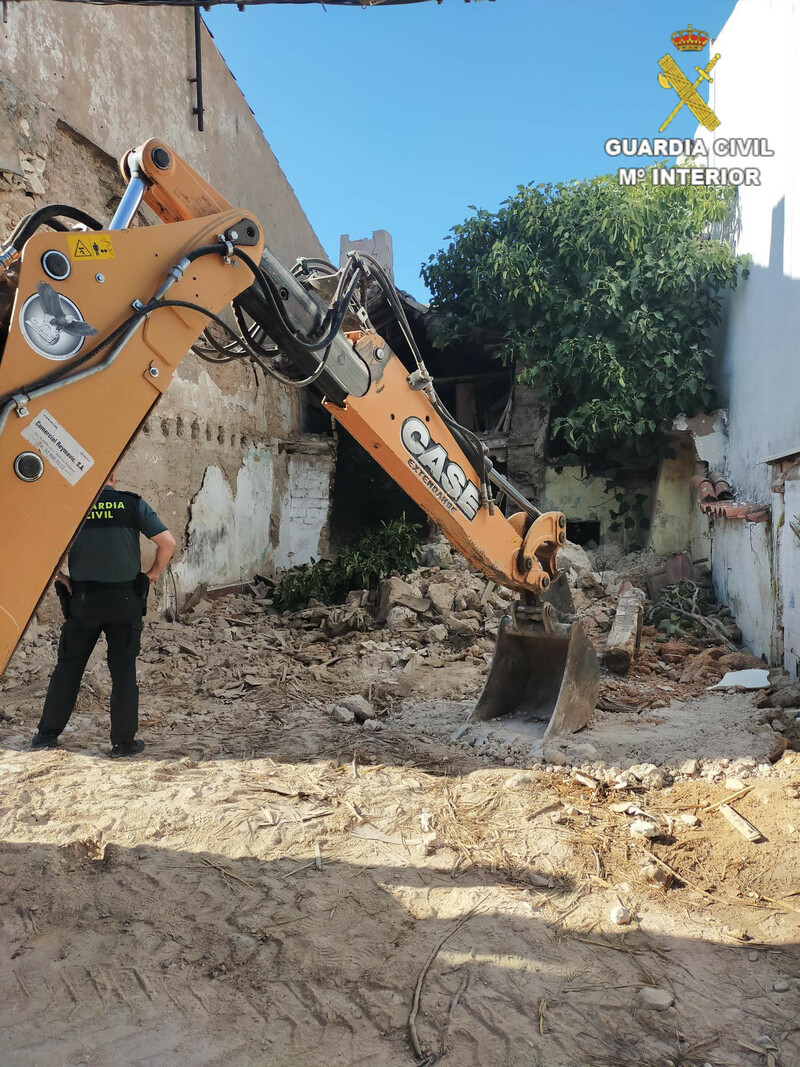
x=674 y=78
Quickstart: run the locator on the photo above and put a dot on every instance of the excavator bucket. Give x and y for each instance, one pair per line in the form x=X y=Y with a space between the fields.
x=543 y=671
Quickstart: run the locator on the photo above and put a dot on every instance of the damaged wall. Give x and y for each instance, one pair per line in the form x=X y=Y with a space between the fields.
x=224 y=464
x=789 y=569
x=755 y=90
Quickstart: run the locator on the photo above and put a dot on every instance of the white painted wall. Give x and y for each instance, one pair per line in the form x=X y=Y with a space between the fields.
x=305 y=510
x=789 y=548
x=231 y=531
x=229 y=527
x=755 y=94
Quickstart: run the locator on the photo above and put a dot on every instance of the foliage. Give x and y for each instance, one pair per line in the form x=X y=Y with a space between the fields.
x=603 y=297
x=628 y=515
x=379 y=553
x=680 y=606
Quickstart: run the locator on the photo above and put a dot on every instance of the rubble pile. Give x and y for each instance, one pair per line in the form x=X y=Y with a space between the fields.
x=408 y=661
x=312 y=787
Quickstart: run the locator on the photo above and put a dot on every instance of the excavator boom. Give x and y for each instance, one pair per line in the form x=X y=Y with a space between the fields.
x=100 y=319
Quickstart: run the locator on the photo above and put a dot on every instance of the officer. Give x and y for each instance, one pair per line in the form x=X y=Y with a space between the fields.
x=105 y=592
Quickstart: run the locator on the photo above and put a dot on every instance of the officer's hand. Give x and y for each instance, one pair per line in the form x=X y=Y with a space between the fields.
x=153 y=578
x=64 y=579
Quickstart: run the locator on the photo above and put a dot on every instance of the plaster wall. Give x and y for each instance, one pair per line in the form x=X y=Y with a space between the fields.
x=79 y=85
x=755 y=92
x=584 y=499
x=673 y=499
x=742 y=567
x=581 y=499
x=305 y=509
x=789 y=570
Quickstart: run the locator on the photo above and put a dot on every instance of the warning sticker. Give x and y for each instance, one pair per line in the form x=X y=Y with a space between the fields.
x=90 y=246
x=58 y=447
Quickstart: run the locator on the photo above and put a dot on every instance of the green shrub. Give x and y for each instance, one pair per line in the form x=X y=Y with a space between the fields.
x=393 y=548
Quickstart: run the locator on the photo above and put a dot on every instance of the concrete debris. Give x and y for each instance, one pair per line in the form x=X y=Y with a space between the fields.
x=360 y=707
x=463 y=627
x=552 y=754
x=435 y=635
x=399 y=618
x=626 y=631
x=442 y=595
x=643 y=828
x=393 y=592
x=657 y=999
x=580 y=752
x=412 y=663
x=749 y=679
x=734 y=784
x=339 y=648
x=648 y=774
x=620 y=916
x=436 y=555
x=782 y=697
x=572 y=557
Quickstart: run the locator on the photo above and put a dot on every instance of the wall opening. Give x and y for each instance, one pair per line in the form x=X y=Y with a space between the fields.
x=583 y=532
x=364 y=496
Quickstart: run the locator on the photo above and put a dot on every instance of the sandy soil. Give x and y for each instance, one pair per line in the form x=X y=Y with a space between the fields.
x=267 y=886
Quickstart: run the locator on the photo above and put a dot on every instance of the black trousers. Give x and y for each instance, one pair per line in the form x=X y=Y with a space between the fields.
x=96 y=608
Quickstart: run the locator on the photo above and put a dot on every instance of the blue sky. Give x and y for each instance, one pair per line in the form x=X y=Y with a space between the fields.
x=401 y=117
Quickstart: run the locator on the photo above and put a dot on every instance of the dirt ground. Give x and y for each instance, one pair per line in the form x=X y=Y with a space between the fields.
x=268 y=885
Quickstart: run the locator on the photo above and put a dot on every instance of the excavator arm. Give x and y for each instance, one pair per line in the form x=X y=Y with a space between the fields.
x=102 y=316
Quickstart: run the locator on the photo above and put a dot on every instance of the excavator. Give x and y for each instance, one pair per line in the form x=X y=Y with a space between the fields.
x=97 y=318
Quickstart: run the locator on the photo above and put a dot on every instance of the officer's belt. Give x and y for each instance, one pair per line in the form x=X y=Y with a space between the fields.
x=104 y=585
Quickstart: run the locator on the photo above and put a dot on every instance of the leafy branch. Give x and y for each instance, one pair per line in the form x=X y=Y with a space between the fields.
x=392 y=548
x=603 y=298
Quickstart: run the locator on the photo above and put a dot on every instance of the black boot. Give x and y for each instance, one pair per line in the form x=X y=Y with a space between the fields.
x=46 y=740
x=127 y=748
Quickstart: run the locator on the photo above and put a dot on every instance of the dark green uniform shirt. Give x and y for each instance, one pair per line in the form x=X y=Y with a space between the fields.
x=107 y=547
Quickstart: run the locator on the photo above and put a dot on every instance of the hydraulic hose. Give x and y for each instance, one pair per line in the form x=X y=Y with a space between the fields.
x=27 y=226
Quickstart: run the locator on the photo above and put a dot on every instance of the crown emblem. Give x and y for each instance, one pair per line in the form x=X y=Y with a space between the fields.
x=690 y=40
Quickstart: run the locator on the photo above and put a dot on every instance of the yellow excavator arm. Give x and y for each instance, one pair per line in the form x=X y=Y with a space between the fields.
x=101 y=316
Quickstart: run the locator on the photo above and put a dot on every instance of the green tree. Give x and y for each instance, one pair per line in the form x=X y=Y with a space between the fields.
x=603 y=297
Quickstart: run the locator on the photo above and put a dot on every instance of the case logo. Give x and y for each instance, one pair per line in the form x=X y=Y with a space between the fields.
x=431 y=463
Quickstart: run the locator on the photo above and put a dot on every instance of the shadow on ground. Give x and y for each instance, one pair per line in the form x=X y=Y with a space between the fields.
x=150 y=956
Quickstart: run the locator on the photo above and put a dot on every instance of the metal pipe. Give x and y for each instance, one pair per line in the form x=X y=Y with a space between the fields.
x=96 y=369
x=346 y=374
x=132 y=197
x=198 y=67
x=45 y=389
x=513 y=494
